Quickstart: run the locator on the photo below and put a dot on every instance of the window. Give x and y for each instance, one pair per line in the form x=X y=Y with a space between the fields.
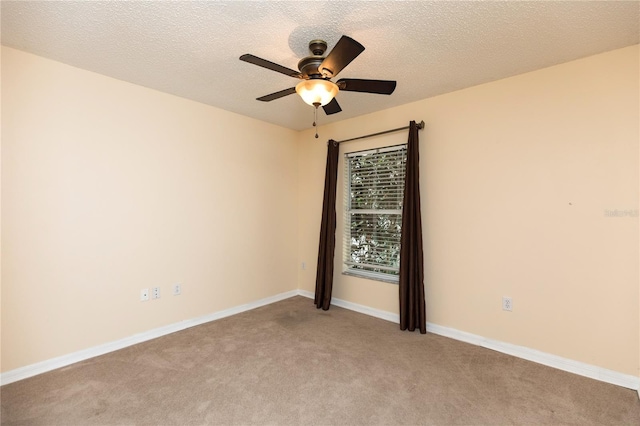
x=374 y=186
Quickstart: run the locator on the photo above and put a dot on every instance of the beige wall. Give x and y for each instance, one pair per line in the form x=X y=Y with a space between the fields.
x=0 y=213
x=109 y=188
x=516 y=177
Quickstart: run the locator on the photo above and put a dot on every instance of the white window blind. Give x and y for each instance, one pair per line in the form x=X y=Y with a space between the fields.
x=374 y=183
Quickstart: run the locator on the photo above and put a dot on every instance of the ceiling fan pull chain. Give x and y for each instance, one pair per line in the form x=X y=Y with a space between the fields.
x=315 y=118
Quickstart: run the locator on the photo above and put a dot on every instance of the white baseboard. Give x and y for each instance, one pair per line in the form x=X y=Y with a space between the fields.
x=576 y=367
x=550 y=360
x=388 y=316
x=65 y=360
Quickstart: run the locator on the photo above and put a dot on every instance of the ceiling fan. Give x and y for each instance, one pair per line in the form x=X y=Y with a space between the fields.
x=316 y=72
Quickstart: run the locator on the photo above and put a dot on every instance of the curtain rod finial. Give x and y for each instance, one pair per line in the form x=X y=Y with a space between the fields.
x=421 y=125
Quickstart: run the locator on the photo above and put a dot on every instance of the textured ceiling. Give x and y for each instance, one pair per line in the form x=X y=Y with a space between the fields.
x=191 y=49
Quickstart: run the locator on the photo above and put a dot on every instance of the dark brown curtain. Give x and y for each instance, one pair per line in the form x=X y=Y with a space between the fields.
x=324 y=275
x=412 y=304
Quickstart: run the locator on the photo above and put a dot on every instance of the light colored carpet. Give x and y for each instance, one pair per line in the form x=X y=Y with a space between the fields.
x=291 y=364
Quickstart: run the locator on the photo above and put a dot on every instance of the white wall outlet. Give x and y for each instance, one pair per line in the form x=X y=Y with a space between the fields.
x=177 y=289
x=144 y=294
x=304 y=265
x=507 y=304
x=155 y=293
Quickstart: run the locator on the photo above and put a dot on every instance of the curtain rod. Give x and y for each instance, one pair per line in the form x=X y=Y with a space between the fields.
x=420 y=127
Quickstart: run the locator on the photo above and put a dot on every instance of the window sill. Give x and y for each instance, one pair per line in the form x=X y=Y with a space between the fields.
x=372 y=276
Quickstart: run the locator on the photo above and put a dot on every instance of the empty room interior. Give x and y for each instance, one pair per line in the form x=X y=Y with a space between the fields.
x=151 y=203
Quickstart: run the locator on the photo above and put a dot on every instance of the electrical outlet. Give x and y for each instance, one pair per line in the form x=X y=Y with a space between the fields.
x=155 y=293
x=507 y=304
x=144 y=294
x=177 y=289
x=304 y=265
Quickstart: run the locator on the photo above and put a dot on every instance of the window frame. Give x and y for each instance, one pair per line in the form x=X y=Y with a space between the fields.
x=348 y=265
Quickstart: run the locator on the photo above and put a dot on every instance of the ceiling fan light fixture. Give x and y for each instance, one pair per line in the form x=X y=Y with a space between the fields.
x=317 y=91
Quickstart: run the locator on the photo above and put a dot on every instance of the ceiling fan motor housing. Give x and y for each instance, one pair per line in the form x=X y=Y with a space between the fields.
x=309 y=66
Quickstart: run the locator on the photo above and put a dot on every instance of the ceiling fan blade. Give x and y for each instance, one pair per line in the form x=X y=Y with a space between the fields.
x=269 y=65
x=345 y=51
x=382 y=87
x=332 y=107
x=277 y=95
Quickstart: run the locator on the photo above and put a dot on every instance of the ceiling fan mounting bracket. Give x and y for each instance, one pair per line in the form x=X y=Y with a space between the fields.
x=318 y=47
